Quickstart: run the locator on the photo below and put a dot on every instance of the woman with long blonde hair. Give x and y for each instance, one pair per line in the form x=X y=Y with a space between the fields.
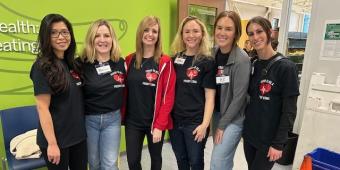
x=103 y=72
x=195 y=93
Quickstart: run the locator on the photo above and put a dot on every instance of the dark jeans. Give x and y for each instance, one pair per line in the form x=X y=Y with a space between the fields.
x=73 y=157
x=134 y=145
x=188 y=152
x=256 y=158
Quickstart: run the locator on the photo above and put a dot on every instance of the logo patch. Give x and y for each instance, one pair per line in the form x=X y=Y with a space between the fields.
x=192 y=72
x=151 y=76
x=119 y=77
x=265 y=88
x=219 y=71
x=76 y=77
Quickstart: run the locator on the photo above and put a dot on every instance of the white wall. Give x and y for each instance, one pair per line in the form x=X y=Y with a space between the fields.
x=296 y=22
x=322 y=10
x=247 y=11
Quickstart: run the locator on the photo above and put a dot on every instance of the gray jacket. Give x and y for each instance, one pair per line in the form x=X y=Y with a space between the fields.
x=234 y=94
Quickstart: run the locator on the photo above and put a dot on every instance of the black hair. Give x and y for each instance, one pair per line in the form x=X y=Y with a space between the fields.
x=47 y=60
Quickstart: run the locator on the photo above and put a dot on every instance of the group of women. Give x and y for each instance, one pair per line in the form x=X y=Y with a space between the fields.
x=82 y=102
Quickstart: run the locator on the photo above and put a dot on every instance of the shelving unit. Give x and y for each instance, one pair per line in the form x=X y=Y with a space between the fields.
x=296 y=48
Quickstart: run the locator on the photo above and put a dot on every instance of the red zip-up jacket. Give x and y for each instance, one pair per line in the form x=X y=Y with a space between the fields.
x=165 y=92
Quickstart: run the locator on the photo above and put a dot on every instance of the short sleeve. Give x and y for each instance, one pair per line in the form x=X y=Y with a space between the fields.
x=40 y=83
x=208 y=80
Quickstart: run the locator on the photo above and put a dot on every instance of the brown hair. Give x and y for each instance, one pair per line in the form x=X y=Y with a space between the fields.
x=147 y=22
x=264 y=23
x=237 y=22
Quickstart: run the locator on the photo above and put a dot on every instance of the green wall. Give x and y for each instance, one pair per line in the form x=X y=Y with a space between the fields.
x=15 y=85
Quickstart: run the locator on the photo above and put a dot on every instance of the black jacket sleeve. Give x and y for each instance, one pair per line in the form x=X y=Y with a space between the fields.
x=287 y=119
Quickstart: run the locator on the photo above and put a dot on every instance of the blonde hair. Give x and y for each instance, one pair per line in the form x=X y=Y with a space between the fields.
x=147 y=22
x=204 y=48
x=89 y=51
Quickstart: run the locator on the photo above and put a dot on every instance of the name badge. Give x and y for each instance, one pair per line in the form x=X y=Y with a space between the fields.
x=179 y=60
x=103 y=68
x=222 y=80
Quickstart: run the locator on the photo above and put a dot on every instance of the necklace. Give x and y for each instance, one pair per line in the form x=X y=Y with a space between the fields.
x=146 y=60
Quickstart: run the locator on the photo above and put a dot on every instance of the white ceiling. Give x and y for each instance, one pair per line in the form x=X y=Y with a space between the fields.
x=300 y=6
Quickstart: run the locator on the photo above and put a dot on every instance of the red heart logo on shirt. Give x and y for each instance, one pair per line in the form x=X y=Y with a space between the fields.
x=219 y=72
x=75 y=75
x=119 y=78
x=265 y=88
x=192 y=73
x=151 y=76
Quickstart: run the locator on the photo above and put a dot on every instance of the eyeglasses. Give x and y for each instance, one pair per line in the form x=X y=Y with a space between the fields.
x=64 y=33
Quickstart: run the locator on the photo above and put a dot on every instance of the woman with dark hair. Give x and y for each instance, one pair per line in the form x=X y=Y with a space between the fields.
x=195 y=93
x=232 y=78
x=151 y=89
x=57 y=88
x=273 y=90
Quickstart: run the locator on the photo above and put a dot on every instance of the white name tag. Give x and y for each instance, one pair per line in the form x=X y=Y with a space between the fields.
x=179 y=60
x=103 y=68
x=222 y=80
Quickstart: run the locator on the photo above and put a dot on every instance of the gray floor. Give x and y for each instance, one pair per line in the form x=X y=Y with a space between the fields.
x=169 y=160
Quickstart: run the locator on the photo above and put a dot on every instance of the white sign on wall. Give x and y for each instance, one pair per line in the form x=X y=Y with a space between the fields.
x=330 y=47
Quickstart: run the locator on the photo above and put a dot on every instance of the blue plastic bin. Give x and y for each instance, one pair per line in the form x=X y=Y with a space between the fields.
x=323 y=159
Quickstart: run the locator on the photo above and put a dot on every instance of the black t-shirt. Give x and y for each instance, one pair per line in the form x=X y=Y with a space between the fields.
x=221 y=61
x=141 y=86
x=263 y=113
x=66 y=108
x=103 y=91
x=191 y=80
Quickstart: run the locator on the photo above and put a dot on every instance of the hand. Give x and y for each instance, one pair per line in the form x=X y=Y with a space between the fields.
x=200 y=132
x=156 y=135
x=218 y=136
x=274 y=154
x=53 y=154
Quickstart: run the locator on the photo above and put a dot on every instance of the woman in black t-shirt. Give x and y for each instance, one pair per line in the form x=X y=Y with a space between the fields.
x=61 y=132
x=150 y=95
x=195 y=93
x=104 y=81
x=232 y=78
x=273 y=90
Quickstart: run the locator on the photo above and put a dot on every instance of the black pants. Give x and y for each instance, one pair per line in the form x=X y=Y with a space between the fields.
x=189 y=153
x=256 y=158
x=73 y=157
x=134 y=145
